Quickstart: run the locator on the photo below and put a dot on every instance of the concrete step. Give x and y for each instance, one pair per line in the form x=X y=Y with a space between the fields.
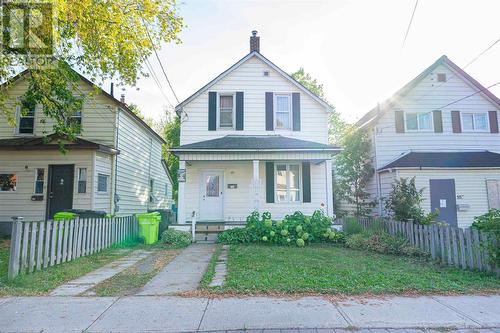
x=206 y=237
x=210 y=227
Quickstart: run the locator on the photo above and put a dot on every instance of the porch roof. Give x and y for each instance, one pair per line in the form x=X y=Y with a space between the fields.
x=471 y=159
x=51 y=142
x=249 y=143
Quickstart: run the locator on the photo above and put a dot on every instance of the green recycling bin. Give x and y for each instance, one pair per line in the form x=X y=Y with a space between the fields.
x=61 y=216
x=148 y=227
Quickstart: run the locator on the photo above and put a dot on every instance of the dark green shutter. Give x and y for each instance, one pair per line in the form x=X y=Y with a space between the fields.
x=212 y=111
x=296 y=111
x=400 y=121
x=438 y=121
x=269 y=112
x=239 y=110
x=306 y=181
x=269 y=182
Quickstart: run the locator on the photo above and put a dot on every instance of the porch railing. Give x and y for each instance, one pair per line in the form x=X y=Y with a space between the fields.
x=38 y=245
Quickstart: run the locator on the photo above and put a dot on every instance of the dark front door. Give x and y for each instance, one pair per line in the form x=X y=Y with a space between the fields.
x=444 y=200
x=60 y=192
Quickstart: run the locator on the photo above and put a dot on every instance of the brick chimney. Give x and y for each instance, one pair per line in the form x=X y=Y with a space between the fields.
x=254 y=42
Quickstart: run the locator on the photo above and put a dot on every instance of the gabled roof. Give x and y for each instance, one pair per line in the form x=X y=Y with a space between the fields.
x=105 y=93
x=51 y=142
x=379 y=110
x=258 y=142
x=238 y=64
x=476 y=159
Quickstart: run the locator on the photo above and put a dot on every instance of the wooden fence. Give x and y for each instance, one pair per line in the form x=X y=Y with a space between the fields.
x=460 y=247
x=38 y=245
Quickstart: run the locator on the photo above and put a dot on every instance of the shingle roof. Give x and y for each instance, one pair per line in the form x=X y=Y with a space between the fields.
x=259 y=142
x=51 y=142
x=478 y=159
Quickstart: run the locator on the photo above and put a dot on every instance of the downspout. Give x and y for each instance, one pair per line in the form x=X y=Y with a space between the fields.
x=117 y=129
x=378 y=182
x=149 y=171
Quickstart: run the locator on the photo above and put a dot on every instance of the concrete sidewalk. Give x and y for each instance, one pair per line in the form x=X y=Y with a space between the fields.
x=314 y=314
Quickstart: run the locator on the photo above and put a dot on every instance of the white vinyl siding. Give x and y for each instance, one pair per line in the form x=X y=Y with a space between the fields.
x=470 y=187
x=249 y=79
x=103 y=166
x=237 y=202
x=19 y=203
x=98 y=116
x=425 y=97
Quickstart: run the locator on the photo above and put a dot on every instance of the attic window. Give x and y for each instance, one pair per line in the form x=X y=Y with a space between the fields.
x=266 y=73
x=441 y=77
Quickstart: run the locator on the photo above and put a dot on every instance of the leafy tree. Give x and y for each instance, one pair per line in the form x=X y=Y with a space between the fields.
x=353 y=171
x=172 y=134
x=102 y=39
x=336 y=125
x=403 y=202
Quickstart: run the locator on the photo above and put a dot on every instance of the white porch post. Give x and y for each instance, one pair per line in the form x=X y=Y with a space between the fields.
x=256 y=186
x=329 y=190
x=181 y=209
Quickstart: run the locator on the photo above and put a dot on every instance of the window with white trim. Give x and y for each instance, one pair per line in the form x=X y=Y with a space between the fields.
x=418 y=121
x=474 y=121
x=226 y=111
x=102 y=183
x=26 y=119
x=8 y=182
x=76 y=120
x=282 y=111
x=39 y=180
x=82 y=180
x=288 y=182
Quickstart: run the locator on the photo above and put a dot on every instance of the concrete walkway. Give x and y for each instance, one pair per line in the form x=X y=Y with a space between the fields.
x=182 y=274
x=255 y=314
x=90 y=280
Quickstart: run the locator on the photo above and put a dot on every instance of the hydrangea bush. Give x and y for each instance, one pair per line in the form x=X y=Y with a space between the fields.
x=296 y=229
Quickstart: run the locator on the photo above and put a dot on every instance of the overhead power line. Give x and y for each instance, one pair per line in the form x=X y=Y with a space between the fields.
x=481 y=54
x=159 y=61
x=409 y=24
x=474 y=93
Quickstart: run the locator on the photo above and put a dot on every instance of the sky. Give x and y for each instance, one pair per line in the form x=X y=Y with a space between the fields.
x=354 y=48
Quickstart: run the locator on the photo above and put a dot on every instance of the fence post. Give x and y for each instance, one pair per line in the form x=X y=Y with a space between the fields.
x=15 y=247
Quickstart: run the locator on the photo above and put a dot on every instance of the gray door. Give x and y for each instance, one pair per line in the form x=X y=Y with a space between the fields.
x=444 y=200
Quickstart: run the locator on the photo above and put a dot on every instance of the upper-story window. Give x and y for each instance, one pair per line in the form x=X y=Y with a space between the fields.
x=26 y=123
x=418 y=121
x=226 y=111
x=475 y=122
x=76 y=120
x=283 y=111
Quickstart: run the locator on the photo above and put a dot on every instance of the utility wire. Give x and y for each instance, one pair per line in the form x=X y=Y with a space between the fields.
x=481 y=54
x=409 y=24
x=474 y=93
x=159 y=61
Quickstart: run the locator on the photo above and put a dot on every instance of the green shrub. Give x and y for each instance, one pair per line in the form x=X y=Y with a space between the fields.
x=297 y=229
x=176 y=238
x=490 y=223
x=352 y=226
x=236 y=236
x=382 y=242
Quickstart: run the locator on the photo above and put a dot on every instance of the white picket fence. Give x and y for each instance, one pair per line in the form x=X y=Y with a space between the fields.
x=459 y=247
x=38 y=245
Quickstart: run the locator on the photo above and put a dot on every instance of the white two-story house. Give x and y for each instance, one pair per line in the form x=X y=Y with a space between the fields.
x=114 y=166
x=253 y=139
x=442 y=129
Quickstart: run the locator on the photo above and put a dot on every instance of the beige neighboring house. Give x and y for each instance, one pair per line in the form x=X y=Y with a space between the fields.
x=442 y=129
x=253 y=139
x=115 y=165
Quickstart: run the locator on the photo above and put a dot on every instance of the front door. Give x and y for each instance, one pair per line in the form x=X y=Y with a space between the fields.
x=443 y=200
x=211 y=190
x=60 y=191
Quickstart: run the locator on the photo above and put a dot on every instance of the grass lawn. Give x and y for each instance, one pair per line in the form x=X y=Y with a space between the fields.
x=337 y=270
x=135 y=277
x=41 y=282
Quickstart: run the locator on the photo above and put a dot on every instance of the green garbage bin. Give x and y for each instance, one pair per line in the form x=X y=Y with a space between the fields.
x=60 y=216
x=148 y=227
